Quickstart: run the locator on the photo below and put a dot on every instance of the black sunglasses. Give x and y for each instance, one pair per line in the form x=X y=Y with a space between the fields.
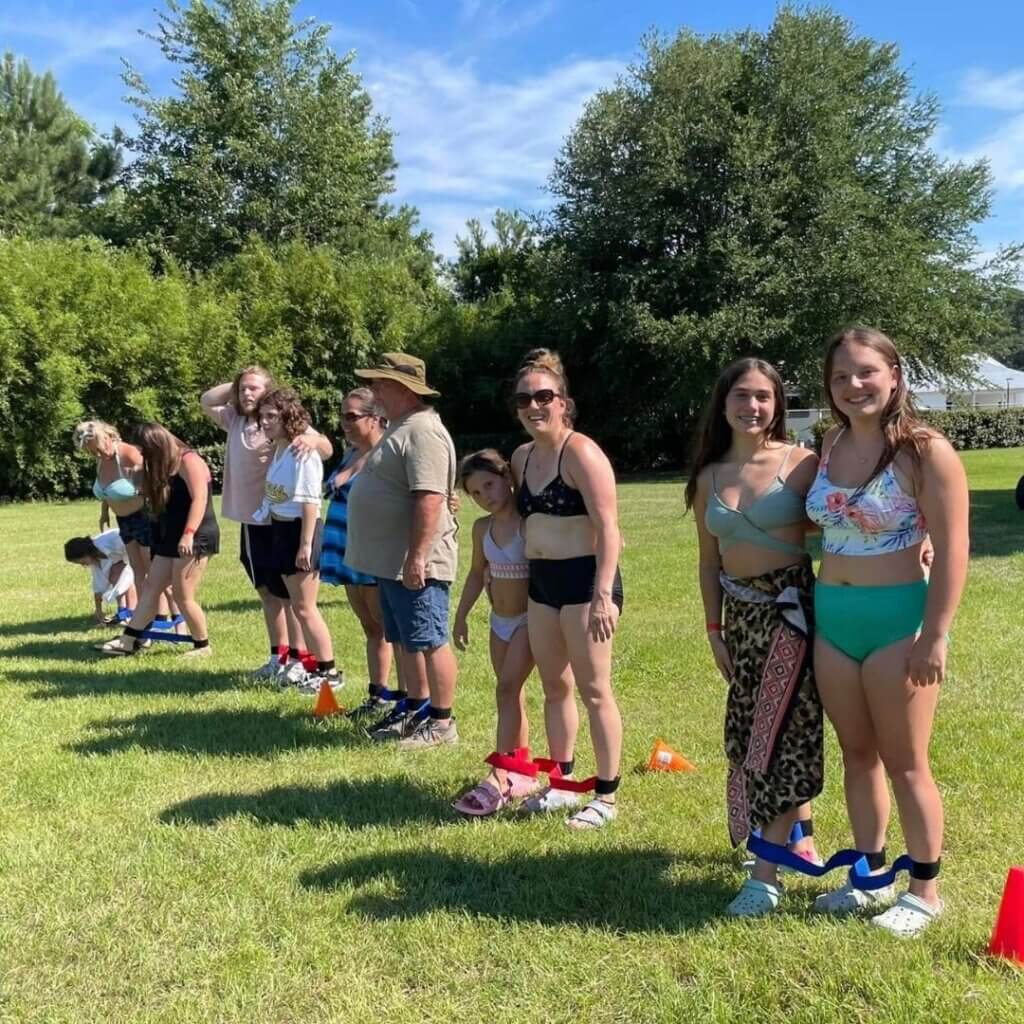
x=352 y=417
x=545 y=396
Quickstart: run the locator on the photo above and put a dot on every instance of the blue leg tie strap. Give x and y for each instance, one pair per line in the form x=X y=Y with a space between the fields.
x=860 y=874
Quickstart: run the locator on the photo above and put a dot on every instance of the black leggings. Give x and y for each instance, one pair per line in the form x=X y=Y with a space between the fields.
x=557 y=582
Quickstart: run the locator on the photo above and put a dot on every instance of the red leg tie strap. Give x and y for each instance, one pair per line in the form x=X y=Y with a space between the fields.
x=518 y=761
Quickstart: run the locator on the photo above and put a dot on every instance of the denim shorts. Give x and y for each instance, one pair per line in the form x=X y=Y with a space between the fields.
x=416 y=619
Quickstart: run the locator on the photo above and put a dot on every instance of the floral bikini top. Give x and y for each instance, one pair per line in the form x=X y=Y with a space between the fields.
x=874 y=519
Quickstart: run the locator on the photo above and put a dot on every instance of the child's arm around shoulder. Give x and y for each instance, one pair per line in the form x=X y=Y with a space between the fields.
x=474 y=585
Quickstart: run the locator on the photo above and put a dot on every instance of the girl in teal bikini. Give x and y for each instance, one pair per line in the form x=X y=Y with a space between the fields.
x=885 y=484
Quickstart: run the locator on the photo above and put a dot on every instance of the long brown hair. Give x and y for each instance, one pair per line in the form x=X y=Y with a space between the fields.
x=714 y=435
x=268 y=380
x=902 y=428
x=543 y=360
x=161 y=458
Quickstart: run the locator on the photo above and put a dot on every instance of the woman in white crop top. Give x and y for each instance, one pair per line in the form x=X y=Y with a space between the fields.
x=500 y=566
x=292 y=506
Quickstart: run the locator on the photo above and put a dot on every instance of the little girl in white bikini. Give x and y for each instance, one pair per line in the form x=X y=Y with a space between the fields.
x=499 y=566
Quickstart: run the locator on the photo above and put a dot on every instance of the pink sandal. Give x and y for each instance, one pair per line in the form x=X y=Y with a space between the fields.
x=482 y=800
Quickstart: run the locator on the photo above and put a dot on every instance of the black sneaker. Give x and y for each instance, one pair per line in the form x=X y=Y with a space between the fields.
x=397 y=725
x=372 y=707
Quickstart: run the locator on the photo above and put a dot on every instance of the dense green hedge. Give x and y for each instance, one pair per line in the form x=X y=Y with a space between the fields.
x=967 y=429
x=87 y=331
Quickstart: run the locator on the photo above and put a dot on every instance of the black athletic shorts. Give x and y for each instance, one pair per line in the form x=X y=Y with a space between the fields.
x=286 y=536
x=557 y=582
x=256 y=553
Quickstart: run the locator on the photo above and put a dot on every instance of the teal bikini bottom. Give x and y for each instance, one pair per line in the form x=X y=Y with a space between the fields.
x=861 y=620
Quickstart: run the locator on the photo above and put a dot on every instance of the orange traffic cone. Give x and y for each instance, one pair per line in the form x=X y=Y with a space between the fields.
x=665 y=759
x=1008 y=934
x=326 y=702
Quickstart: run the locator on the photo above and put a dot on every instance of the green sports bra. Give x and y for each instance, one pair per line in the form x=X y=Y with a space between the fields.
x=779 y=506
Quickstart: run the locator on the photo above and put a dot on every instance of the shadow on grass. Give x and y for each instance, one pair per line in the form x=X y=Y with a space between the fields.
x=218 y=733
x=148 y=681
x=360 y=803
x=47 y=627
x=624 y=890
x=997 y=525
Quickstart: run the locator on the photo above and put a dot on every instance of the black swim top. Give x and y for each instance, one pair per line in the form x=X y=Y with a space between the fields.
x=556 y=499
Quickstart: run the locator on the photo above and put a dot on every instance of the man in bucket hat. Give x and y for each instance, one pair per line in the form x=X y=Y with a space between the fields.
x=402 y=531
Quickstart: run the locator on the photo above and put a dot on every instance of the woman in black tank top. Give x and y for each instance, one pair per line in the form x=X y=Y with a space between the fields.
x=185 y=535
x=574 y=601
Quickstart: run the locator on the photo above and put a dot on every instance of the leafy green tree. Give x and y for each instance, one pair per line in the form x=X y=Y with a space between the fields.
x=1009 y=344
x=270 y=134
x=748 y=194
x=484 y=266
x=53 y=169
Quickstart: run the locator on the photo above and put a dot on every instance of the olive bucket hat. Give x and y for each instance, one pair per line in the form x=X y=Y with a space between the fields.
x=407 y=370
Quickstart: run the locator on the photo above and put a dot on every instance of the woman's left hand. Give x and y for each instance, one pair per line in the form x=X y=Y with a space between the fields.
x=185 y=545
x=603 y=618
x=927 y=661
x=304 y=557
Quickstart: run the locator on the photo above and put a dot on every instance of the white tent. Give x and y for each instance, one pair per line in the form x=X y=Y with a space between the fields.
x=992 y=386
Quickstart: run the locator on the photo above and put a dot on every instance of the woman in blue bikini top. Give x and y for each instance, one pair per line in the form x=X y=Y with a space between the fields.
x=747 y=488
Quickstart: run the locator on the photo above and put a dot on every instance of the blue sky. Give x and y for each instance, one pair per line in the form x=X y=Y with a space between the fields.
x=480 y=93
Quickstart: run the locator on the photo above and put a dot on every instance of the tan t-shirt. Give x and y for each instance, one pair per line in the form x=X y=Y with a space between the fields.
x=415 y=454
x=246 y=461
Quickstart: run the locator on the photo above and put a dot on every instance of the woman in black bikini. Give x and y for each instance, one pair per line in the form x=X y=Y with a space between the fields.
x=185 y=534
x=567 y=498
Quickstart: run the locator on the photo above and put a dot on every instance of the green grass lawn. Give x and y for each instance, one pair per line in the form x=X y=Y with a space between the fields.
x=177 y=844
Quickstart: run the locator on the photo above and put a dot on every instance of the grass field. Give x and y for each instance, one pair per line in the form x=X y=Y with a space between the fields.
x=177 y=844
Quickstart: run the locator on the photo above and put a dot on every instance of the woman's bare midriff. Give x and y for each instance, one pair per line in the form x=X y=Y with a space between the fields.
x=873 y=570
x=745 y=560
x=559 y=536
x=125 y=508
x=509 y=597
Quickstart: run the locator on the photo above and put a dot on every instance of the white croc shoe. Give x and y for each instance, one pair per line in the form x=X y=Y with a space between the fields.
x=908 y=916
x=847 y=900
x=755 y=899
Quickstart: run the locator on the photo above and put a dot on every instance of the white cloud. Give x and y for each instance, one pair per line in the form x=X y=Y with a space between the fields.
x=1003 y=144
x=982 y=88
x=499 y=19
x=73 y=42
x=467 y=143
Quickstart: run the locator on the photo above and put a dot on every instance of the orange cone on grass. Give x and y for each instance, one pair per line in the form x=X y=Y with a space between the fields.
x=326 y=703
x=1008 y=935
x=665 y=759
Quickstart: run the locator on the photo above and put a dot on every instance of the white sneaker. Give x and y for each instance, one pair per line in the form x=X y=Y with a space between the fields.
x=847 y=900
x=290 y=675
x=268 y=670
x=310 y=685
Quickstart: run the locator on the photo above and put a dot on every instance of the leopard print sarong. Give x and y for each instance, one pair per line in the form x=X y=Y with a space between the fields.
x=773 y=723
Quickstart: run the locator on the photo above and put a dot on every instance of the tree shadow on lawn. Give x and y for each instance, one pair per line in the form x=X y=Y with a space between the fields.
x=148 y=681
x=997 y=525
x=360 y=803
x=624 y=890
x=218 y=733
